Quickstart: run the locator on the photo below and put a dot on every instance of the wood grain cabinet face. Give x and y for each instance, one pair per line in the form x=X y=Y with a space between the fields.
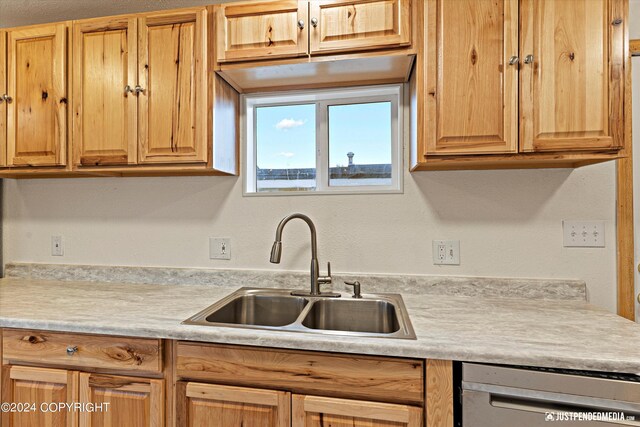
x=39 y=386
x=472 y=92
x=105 y=115
x=358 y=25
x=215 y=405
x=172 y=73
x=3 y=105
x=314 y=411
x=261 y=30
x=572 y=90
x=36 y=82
x=125 y=401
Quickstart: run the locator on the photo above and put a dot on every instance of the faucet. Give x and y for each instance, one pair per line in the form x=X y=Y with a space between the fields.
x=316 y=279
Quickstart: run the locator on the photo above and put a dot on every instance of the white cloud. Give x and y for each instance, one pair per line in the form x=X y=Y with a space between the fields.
x=285 y=124
x=286 y=154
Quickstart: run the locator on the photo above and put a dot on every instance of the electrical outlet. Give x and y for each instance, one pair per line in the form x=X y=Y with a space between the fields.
x=446 y=252
x=589 y=234
x=57 y=247
x=219 y=248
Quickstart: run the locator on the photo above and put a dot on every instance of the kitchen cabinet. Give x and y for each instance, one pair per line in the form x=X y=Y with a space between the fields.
x=3 y=105
x=127 y=401
x=316 y=411
x=518 y=84
x=200 y=403
x=34 y=111
x=140 y=89
x=279 y=29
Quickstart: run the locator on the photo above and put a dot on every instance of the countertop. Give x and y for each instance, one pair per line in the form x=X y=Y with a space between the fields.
x=514 y=331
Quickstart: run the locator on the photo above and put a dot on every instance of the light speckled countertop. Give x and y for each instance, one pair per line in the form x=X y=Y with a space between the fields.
x=552 y=333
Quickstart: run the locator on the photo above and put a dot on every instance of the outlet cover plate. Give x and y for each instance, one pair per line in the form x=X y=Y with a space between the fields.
x=57 y=246
x=446 y=252
x=583 y=234
x=219 y=248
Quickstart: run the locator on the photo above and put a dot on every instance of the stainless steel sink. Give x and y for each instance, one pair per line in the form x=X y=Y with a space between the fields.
x=373 y=315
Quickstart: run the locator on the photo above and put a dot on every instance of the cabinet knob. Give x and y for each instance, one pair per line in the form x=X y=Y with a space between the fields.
x=71 y=350
x=128 y=89
x=514 y=60
x=301 y=24
x=528 y=59
x=139 y=89
x=7 y=98
x=314 y=22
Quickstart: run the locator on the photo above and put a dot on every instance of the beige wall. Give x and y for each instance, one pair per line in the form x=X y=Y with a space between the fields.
x=508 y=222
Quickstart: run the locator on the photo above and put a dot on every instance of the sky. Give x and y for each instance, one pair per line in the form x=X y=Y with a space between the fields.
x=286 y=135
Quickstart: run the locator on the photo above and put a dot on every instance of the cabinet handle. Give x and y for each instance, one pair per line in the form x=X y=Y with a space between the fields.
x=139 y=89
x=528 y=59
x=127 y=90
x=71 y=350
x=514 y=60
x=7 y=98
x=314 y=22
x=301 y=24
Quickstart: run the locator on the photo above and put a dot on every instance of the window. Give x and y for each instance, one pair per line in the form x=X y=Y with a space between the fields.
x=324 y=141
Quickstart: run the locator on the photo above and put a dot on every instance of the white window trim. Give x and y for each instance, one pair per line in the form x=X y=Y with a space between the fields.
x=323 y=98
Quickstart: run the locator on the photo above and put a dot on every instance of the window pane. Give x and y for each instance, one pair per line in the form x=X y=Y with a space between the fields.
x=286 y=148
x=360 y=144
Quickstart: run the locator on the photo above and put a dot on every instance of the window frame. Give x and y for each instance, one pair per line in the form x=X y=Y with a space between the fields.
x=323 y=99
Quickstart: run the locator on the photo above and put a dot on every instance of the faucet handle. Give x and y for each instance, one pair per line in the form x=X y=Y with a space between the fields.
x=328 y=268
x=327 y=278
x=356 y=288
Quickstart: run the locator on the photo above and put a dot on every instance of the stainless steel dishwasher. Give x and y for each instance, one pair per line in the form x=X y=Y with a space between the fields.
x=496 y=396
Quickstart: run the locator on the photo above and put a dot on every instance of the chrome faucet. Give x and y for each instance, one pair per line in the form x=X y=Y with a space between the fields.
x=316 y=279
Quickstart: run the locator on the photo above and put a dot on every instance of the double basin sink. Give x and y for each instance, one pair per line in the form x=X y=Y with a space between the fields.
x=373 y=315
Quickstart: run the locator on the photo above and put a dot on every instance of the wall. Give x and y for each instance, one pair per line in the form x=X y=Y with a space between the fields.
x=508 y=222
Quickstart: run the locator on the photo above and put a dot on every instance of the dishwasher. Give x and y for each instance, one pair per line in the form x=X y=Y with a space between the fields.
x=498 y=396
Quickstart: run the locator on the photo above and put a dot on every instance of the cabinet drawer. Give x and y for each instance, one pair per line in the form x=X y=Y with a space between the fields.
x=91 y=351
x=337 y=375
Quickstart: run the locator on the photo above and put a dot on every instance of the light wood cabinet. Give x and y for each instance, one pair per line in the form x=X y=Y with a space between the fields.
x=3 y=105
x=572 y=78
x=36 y=110
x=105 y=113
x=518 y=84
x=127 y=401
x=172 y=71
x=36 y=387
x=347 y=25
x=216 y=405
x=261 y=30
x=316 y=411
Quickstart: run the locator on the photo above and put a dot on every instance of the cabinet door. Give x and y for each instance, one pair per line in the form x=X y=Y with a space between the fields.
x=172 y=72
x=36 y=83
x=472 y=92
x=121 y=401
x=225 y=406
x=572 y=79
x=3 y=105
x=39 y=386
x=314 y=411
x=346 y=25
x=261 y=30
x=105 y=113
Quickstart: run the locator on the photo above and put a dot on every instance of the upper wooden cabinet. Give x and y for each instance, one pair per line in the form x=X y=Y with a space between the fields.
x=518 y=83
x=105 y=113
x=3 y=104
x=277 y=29
x=572 y=79
x=268 y=29
x=473 y=91
x=347 y=25
x=36 y=96
x=172 y=71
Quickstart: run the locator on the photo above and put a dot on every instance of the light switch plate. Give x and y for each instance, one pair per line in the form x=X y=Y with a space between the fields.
x=446 y=252
x=583 y=234
x=219 y=248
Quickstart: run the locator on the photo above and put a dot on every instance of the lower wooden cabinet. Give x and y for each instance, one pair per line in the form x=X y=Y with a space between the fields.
x=226 y=406
x=316 y=411
x=95 y=400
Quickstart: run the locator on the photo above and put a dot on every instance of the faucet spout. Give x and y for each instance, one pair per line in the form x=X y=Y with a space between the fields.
x=316 y=279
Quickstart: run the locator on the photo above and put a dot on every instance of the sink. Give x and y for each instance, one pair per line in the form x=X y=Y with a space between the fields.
x=374 y=315
x=353 y=315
